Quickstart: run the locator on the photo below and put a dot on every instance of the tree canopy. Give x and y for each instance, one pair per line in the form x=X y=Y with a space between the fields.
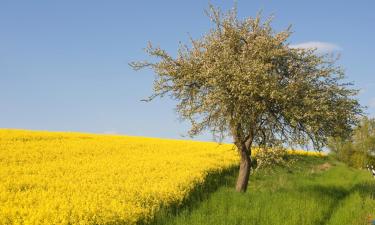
x=242 y=79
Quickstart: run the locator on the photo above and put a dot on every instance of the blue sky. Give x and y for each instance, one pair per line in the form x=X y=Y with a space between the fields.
x=64 y=64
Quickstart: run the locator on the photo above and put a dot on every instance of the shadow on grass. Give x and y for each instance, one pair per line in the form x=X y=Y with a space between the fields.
x=338 y=194
x=201 y=192
x=365 y=189
x=335 y=193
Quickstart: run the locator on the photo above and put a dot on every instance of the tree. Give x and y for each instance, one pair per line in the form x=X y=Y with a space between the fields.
x=242 y=79
x=359 y=149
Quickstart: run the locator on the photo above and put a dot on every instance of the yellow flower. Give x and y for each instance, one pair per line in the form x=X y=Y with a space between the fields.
x=75 y=178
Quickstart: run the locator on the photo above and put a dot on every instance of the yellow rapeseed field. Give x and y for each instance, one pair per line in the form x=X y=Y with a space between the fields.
x=74 y=178
x=306 y=153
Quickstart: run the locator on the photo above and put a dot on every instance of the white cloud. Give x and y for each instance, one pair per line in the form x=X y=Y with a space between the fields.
x=322 y=47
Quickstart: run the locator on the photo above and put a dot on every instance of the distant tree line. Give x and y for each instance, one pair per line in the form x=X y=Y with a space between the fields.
x=358 y=150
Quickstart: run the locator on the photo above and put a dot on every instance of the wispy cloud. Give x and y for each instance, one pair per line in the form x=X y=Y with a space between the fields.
x=110 y=132
x=321 y=47
x=366 y=87
x=371 y=109
x=372 y=103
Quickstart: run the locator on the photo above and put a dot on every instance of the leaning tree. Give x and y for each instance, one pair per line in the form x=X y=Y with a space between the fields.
x=242 y=79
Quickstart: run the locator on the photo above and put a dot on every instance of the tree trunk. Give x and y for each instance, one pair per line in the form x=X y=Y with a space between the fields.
x=244 y=173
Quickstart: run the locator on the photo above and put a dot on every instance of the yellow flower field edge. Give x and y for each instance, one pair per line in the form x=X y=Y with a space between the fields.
x=297 y=152
x=306 y=153
x=75 y=178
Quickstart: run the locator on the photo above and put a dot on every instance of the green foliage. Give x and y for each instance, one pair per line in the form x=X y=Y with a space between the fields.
x=358 y=150
x=242 y=79
x=302 y=195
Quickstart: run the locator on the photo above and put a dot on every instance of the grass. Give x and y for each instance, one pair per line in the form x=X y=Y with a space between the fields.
x=308 y=193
